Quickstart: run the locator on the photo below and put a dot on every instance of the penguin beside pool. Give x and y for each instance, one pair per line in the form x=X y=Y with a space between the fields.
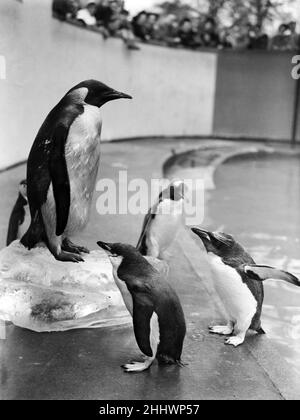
x=18 y=214
x=163 y=221
x=238 y=282
x=62 y=169
x=158 y=318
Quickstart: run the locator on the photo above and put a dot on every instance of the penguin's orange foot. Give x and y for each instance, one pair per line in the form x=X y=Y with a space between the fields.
x=221 y=330
x=69 y=257
x=68 y=246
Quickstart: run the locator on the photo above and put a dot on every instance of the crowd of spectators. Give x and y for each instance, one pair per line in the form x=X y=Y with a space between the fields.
x=111 y=18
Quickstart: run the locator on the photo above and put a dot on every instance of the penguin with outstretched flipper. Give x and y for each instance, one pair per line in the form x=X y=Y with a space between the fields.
x=239 y=283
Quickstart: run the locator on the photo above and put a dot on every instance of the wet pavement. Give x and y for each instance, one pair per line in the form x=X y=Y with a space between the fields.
x=85 y=364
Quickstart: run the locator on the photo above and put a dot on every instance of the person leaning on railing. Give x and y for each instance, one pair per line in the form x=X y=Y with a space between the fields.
x=65 y=9
x=286 y=38
x=86 y=15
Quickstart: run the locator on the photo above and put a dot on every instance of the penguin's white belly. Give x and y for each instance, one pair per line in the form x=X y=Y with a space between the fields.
x=234 y=294
x=165 y=226
x=82 y=158
x=127 y=298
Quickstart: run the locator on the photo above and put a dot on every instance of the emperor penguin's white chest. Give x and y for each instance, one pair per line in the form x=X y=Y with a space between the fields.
x=82 y=152
x=165 y=225
x=233 y=292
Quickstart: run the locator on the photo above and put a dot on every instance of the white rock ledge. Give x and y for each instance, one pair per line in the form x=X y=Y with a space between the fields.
x=42 y=294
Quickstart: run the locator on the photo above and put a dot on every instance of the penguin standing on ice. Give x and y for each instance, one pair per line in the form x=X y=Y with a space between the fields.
x=158 y=318
x=163 y=221
x=238 y=282
x=62 y=169
x=18 y=214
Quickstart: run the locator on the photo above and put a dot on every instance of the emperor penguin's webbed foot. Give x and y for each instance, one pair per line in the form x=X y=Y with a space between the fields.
x=68 y=246
x=68 y=257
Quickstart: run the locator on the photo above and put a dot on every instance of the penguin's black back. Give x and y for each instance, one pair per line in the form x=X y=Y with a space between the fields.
x=172 y=325
x=152 y=293
x=46 y=163
x=50 y=139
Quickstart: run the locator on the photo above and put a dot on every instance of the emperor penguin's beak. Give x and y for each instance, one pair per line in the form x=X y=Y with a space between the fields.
x=114 y=94
x=203 y=234
x=104 y=246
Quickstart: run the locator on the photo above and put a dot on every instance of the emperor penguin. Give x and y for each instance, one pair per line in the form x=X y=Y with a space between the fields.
x=18 y=214
x=62 y=169
x=158 y=318
x=239 y=283
x=163 y=221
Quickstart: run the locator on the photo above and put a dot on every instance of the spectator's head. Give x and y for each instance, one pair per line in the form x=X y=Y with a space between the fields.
x=186 y=25
x=124 y=16
x=92 y=7
x=141 y=18
x=115 y=6
x=169 y=20
x=283 y=29
x=65 y=8
x=152 y=18
x=209 y=25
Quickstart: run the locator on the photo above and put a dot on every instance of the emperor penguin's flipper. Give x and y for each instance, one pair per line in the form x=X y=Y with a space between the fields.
x=264 y=272
x=35 y=232
x=141 y=324
x=60 y=178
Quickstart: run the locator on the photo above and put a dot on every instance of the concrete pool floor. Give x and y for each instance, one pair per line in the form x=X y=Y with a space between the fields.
x=85 y=364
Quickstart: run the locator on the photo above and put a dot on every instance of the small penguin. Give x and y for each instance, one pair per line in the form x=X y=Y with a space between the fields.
x=18 y=214
x=158 y=318
x=163 y=221
x=238 y=282
x=62 y=169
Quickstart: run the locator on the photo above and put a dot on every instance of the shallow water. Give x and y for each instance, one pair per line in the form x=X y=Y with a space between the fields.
x=258 y=200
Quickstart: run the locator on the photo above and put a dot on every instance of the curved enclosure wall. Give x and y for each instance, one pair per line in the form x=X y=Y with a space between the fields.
x=173 y=90
x=176 y=92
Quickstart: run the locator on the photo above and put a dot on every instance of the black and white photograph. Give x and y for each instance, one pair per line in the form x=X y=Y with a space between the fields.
x=150 y=203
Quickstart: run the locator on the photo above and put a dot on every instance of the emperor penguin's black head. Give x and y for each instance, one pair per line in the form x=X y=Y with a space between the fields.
x=218 y=243
x=95 y=93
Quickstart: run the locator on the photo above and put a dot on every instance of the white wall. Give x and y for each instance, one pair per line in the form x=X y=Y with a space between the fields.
x=173 y=90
